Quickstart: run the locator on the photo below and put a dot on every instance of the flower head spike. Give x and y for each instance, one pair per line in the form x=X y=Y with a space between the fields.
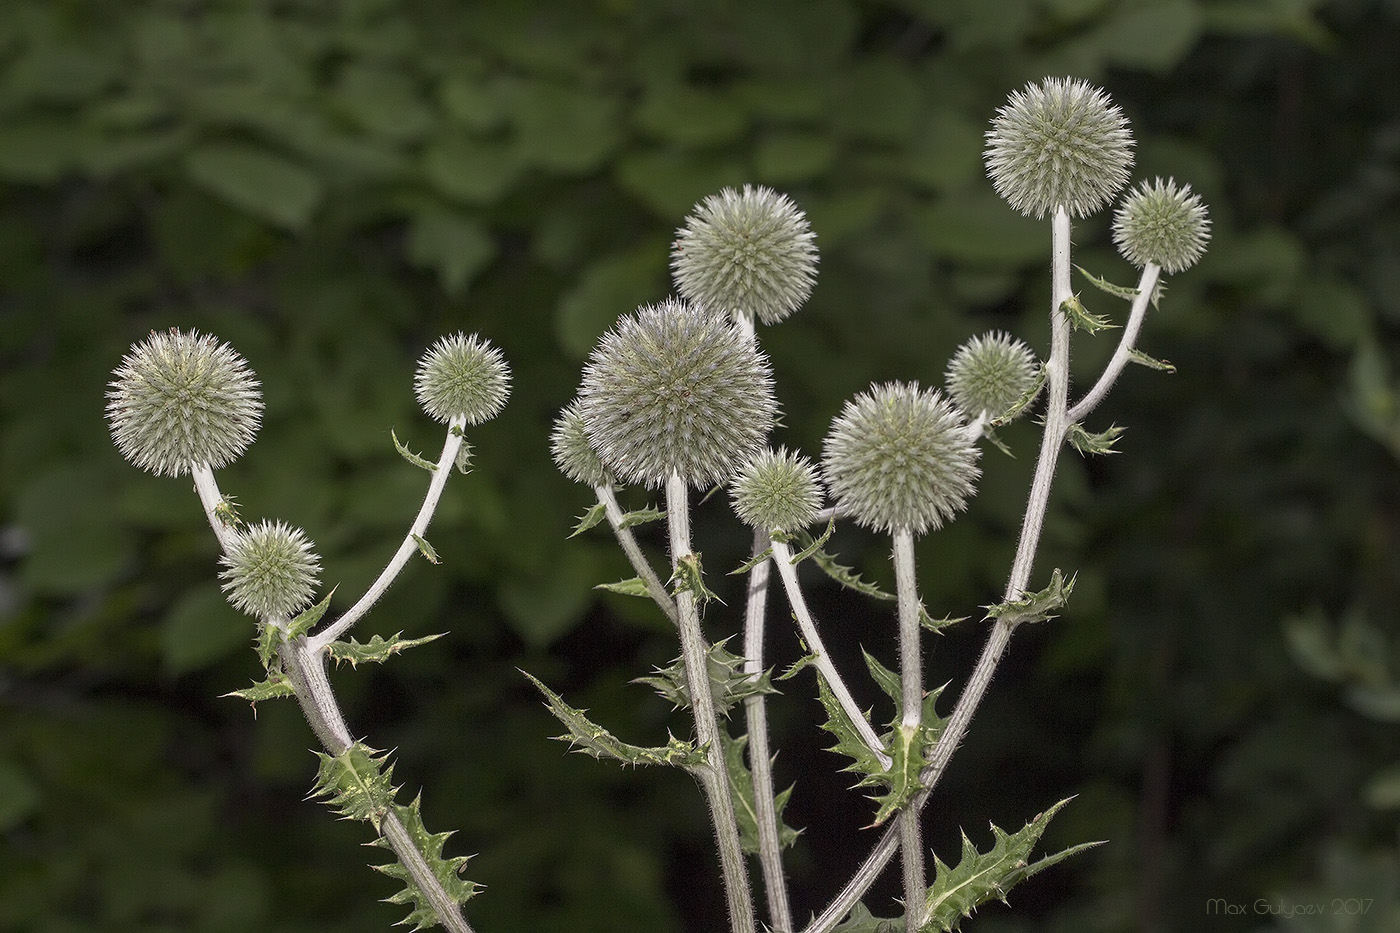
x=989 y=374
x=1162 y=224
x=777 y=491
x=572 y=453
x=1059 y=143
x=899 y=457
x=183 y=398
x=673 y=388
x=462 y=375
x=270 y=571
x=748 y=252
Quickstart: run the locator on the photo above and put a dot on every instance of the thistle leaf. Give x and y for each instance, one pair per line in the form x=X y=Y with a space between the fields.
x=1035 y=607
x=426 y=549
x=812 y=550
x=741 y=786
x=860 y=920
x=595 y=514
x=447 y=871
x=752 y=562
x=1101 y=443
x=981 y=876
x=410 y=456
x=1118 y=291
x=1080 y=318
x=689 y=577
x=276 y=685
x=633 y=586
x=730 y=683
x=377 y=650
x=640 y=517
x=304 y=622
x=937 y=625
x=1023 y=402
x=592 y=739
x=1151 y=362
x=356 y=784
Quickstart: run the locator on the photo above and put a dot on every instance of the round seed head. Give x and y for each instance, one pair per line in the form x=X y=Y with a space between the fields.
x=777 y=491
x=462 y=375
x=899 y=457
x=673 y=388
x=748 y=252
x=178 y=399
x=574 y=456
x=1059 y=143
x=270 y=570
x=990 y=373
x=1162 y=224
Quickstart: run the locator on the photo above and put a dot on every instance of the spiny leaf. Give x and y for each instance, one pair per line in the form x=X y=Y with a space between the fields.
x=377 y=650
x=860 y=920
x=595 y=514
x=814 y=548
x=1103 y=285
x=276 y=685
x=464 y=453
x=848 y=740
x=1101 y=443
x=981 y=876
x=796 y=667
x=1080 y=317
x=937 y=625
x=1035 y=607
x=410 y=456
x=269 y=637
x=590 y=738
x=226 y=511
x=426 y=549
x=689 y=577
x=356 y=784
x=1151 y=362
x=991 y=437
x=741 y=786
x=640 y=517
x=308 y=618
x=447 y=871
x=1020 y=405
x=730 y=683
x=634 y=586
x=752 y=562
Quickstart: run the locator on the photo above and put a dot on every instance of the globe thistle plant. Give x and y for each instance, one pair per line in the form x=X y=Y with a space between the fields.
x=462 y=376
x=989 y=374
x=1162 y=224
x=676 y=389
x=750 y=253
x=777 y=491
x=270 y=571
x=572 y=453
x=1059 y=143
x=178 y=399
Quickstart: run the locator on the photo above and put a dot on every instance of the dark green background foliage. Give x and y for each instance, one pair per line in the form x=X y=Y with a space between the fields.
x=332 y=185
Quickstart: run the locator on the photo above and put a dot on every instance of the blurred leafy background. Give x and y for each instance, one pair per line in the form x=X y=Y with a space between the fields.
x=332 y=185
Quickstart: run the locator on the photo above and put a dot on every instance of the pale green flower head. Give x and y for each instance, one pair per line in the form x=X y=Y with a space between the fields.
x=1059 y=143
x=572 y=453
x=989 y=374
x=178 y=399
x=1162 y=224
x=674 y=388
x=899 y=458
x=270 y=571
x=777 y=491
x=461 y=375
x=748 y=253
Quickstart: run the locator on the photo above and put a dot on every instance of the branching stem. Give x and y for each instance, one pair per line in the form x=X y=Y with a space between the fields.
x=911 y=672
x=628 y=542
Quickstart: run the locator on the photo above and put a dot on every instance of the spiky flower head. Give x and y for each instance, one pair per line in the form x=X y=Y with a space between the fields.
x=1162 y=224
x=675 y=388
x=989 y=374
x=574 y=456
x=1061 y=142
x=461 y=375
x=777 y=491
x=899 y=457
x=270 y=570
x=748 y=253
x=178 y=399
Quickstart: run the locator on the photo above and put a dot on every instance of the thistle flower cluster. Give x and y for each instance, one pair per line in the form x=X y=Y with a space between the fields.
x=572 y=452
x=462 y=376
x=676 y=389
x=1162 y=224
x=1059 y=143
x=777 y=491
x=748 y=253
x=179 y=399
x=899 y=458
x=989 y=374
x=270 y=571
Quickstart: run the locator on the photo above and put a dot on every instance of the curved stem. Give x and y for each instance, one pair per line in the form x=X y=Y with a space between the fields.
x=639 y=562
x=770 y=846
x=1147 y=284
x=714 y=778
x=441 y=471
x=821 y=659
x=911 y=672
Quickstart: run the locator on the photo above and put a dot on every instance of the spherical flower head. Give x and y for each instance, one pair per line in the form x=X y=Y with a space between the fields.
x=574 y=456
x=464 y=376
x=674 y=388
x=178 y=399
x=1162 y=224
x=270 y=571
x=989 y=374
x=898 y=457
x=748 y=252
x=1060 y=143
x=777 y=491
